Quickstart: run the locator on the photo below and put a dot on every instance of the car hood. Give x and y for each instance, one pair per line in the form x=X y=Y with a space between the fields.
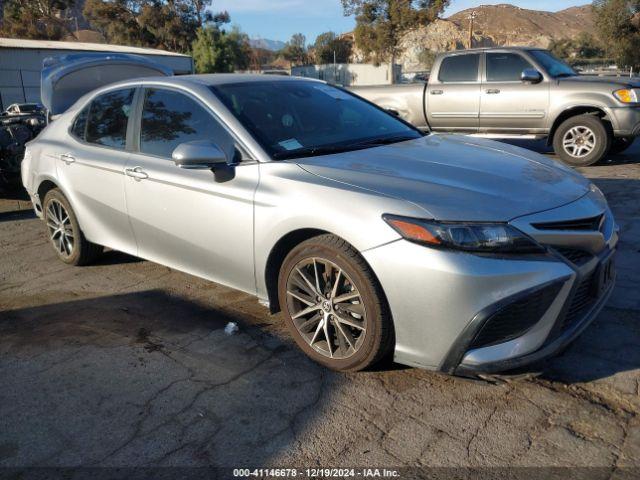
x=456 y=177
x=625 y=82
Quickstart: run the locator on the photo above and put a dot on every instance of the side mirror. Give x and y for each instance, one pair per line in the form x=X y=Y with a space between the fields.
x=199 y=154
x=531 y=75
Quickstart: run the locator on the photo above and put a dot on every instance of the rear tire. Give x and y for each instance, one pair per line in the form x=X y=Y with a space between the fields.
x=620 y=144
x=582 y=140
x=346 y=327
x=64 y=232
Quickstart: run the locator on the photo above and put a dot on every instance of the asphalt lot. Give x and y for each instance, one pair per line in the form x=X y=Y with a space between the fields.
x=126 y=363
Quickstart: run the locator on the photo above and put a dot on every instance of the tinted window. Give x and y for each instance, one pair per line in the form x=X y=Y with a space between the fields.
x=79 y=128
x=505 y=67
x=301 y=118
x=554 y=66
x=171 y=118
x=459 y=68
x=108 y=115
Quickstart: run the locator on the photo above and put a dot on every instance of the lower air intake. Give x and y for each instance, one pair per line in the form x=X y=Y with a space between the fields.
x=514 y=319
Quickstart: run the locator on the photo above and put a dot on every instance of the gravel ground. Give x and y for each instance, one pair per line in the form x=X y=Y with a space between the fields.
x=126 y=363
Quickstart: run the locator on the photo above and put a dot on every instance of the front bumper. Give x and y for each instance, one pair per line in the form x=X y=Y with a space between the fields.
x=626 y=121
x=440 y=299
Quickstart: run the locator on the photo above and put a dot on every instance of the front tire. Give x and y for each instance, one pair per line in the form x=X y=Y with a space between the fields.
x=64 y=232
x=333 y=305
x=582 y=140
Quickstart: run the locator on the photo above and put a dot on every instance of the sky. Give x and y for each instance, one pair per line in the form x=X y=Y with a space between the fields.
x=279 y=19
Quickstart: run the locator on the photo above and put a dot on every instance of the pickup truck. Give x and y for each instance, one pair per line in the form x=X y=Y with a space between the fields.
x=520 y=92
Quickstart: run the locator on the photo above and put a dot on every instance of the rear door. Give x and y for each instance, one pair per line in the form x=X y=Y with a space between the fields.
x=90 y=168
x=453 y=98
x=197 y=221
x=507 y=104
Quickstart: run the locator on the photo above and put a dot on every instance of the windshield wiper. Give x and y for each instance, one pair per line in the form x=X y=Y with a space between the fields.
x=384 y=141
x=329 y=149
x=311 y=151
x=565 y=74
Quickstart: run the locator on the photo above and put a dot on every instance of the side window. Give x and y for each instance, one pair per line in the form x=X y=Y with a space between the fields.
x=505 y=67
x=79 y=128
x=170 y=118
x=108 y=117
x=459 y=68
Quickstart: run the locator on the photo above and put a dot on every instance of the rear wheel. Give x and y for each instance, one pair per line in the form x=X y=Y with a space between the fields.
x=620 y=144
x=582 y=140
x=64 y=232
x=333 y=305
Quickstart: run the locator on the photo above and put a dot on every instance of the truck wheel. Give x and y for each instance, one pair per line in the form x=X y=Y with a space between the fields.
x=582 y=140
x=333 y=305
x=620 y=144
x=64 y=232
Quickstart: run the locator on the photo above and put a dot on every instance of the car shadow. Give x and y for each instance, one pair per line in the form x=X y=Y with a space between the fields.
x=150 y=378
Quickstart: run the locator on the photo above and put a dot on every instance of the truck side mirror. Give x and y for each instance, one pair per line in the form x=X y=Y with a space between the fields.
x=531 y=75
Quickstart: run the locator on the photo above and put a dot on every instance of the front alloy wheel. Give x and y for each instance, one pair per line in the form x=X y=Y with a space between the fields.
x=582 y=140
x=326 y=308
x=333 y=304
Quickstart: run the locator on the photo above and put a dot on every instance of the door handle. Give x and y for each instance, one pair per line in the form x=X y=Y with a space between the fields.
x=436 y=92
x=493 y=91
x=136 y=173
x=67 y=158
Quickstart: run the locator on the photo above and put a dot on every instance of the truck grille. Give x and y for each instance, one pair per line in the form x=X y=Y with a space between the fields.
x=516 y=318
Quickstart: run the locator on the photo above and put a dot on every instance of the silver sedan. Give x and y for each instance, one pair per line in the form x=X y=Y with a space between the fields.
x=372 y=237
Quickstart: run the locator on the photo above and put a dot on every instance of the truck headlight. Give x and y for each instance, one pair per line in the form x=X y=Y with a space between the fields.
x=627 y=95
x=470 y=237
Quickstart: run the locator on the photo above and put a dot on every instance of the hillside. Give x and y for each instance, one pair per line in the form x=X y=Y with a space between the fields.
x=494 y=25
x=514 y=25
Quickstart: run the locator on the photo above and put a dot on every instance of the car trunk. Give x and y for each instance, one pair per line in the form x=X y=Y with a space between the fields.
x=68 y=77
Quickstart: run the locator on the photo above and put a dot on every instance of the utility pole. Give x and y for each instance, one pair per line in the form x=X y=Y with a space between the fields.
x=472 y=17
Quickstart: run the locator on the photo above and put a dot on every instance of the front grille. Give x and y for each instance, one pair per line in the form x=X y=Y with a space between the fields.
x=574 y=255
x=581 y=224
x=514 y=319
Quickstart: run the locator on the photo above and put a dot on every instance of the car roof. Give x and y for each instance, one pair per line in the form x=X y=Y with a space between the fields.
x=211 y=79
x=489 y=49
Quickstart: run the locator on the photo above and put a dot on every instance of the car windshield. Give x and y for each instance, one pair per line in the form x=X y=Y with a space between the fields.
x=292 y=119
x=553 y=65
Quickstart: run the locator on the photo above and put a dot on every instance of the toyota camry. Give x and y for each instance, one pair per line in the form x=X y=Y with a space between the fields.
x=373 y=238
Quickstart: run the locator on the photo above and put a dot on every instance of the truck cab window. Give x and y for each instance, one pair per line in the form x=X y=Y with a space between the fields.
x=505 y=67
x=459 y=68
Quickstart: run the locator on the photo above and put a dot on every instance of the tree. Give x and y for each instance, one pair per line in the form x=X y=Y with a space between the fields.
x=36 y=19
x=216 y=51
x=583 y=47
x=619 y=29
x=327 y=45
x=381 y=24
x=296 y=49
x=165 y=24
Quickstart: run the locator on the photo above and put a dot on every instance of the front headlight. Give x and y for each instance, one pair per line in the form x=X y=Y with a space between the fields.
x=627 y=95
x=470 y=237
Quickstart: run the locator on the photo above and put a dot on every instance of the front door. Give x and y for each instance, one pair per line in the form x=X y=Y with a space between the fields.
x=507 y=104
x=453 y=98
x=196 y=221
